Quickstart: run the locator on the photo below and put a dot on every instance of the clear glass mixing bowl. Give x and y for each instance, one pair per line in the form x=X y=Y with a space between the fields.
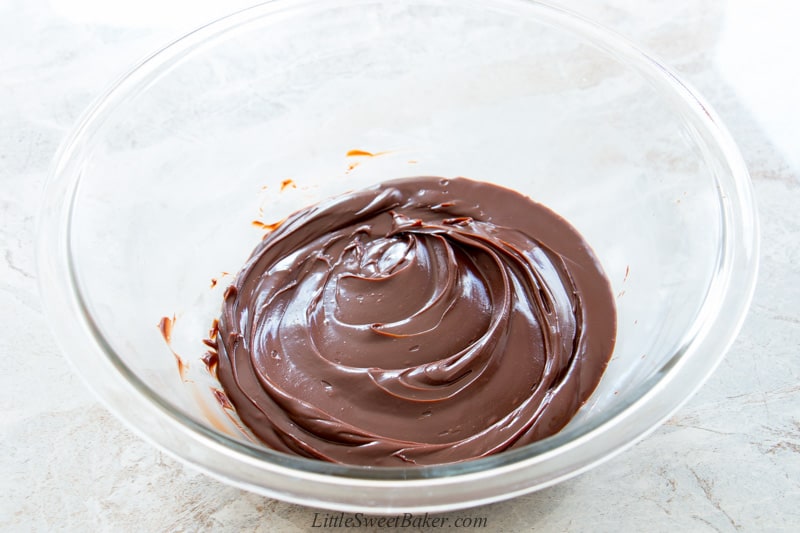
x=154 y=193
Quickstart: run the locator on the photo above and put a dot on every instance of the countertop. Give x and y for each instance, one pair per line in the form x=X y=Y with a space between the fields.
x=729 y=460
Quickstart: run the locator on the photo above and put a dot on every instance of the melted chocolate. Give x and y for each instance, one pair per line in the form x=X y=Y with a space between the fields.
x=420 y=321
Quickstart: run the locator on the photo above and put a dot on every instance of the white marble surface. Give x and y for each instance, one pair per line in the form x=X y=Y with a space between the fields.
x=727 y=461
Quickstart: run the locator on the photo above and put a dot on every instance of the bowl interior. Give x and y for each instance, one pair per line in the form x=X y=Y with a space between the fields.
x=204 y=140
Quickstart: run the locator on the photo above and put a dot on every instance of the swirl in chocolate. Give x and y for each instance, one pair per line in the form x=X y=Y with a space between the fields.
x=420 y=321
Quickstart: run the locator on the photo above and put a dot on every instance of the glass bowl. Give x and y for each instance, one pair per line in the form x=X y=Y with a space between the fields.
x=289 y=102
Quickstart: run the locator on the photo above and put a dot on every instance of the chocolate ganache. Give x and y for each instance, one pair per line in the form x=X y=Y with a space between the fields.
x=420 y=321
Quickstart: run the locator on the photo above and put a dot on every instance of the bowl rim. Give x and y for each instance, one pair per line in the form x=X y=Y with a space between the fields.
x=385 y=489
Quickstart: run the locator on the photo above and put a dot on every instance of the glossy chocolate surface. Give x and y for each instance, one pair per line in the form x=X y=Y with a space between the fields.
x=420 y=321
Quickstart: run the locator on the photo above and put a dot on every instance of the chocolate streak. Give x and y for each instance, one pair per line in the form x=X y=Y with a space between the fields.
x=420 y=321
